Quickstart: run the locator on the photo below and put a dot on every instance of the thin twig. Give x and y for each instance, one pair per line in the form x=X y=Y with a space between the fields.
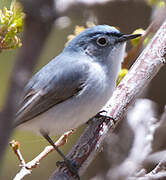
x=160 y=167
x=15 y=146
x=134 y=52
x=159 y=172
x=26 y=168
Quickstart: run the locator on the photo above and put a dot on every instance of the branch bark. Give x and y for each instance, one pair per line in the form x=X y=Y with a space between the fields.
x=38 y=24
x=144 y=69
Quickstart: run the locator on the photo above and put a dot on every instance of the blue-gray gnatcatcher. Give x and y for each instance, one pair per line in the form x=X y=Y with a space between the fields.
x=74 y=86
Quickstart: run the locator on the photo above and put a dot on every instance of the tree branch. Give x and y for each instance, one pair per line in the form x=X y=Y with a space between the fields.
x=144 y=69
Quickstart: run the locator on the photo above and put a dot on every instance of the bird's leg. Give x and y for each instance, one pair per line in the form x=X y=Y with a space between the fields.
x=102 y=114
x=67 y=162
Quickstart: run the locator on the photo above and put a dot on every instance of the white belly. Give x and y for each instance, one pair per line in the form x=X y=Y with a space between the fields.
x=67 y=115
x=75 y=111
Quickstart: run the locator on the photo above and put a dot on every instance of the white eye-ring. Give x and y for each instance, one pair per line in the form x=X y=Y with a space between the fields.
x=102 y=41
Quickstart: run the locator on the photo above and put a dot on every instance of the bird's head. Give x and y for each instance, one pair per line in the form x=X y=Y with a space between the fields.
x=99 y=41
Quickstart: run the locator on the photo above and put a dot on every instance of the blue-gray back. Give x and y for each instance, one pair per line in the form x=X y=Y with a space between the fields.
x=60 y=79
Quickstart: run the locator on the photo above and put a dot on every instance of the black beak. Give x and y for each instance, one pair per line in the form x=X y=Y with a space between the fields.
x=126 y=37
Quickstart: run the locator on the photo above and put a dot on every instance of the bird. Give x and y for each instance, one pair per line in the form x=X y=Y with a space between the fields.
x=75 y=85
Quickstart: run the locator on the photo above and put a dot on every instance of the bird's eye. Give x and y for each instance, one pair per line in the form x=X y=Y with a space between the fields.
x=101 y=41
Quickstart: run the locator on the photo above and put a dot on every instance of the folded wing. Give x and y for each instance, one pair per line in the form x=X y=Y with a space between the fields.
x=52 y=85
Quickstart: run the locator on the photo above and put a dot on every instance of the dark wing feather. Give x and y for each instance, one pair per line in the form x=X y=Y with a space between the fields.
x=43 y=91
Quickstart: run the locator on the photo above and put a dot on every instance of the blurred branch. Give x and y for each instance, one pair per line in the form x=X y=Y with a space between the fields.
x=152 y=28
x=163 y=116
x=26 y=168
x=39 y=20
x=159 y=172
x=64 y=5
x=134 y=52
x=144 y=69
x=144 y=124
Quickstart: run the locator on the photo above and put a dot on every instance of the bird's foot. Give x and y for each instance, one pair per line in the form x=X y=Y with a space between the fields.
x=70 y=165
x=103 y=114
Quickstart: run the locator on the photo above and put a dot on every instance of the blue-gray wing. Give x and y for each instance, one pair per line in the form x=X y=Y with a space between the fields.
x=56 y=82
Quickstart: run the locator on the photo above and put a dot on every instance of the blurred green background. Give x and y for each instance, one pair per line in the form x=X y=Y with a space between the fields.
x=128 y=15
